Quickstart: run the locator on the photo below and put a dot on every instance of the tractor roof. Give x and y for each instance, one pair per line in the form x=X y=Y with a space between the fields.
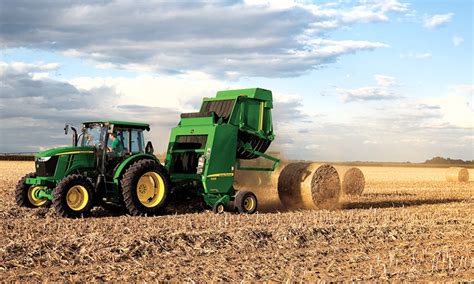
x=119 y=123
x=255 y=93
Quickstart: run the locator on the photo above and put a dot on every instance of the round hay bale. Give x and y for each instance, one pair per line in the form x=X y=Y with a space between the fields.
x=352 y=180
x=457 y=174
x=294 y=185
x=308 y=186
x=325 y=187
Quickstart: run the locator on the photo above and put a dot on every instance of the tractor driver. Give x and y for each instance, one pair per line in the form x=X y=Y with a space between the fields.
x=116 y=145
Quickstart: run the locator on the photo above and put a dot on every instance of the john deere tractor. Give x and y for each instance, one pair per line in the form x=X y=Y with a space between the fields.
x=107 y=165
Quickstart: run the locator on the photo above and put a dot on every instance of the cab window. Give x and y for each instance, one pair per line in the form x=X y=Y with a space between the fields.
x=137 y=143
x=118 y=142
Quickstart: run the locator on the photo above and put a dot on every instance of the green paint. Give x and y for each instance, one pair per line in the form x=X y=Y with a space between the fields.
x=53 y=165
x=241 y=116
x=204 y=148
x=45 y=193
x=63 y=150
x=129 y=161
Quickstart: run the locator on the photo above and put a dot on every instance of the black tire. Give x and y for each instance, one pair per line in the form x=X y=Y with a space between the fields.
x=218 y=208
x=60 y=196
x=242 y=200
x=22 y=191
x=130 y=191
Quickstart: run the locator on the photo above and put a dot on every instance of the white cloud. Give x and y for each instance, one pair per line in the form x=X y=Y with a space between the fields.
x=437 y=20
x=456 y=111
x=157 y=91
x=464 y=88
x=371 y=93
x=416 y=55
x=224 y=39
x=313 y=147
x=370 y=142
x=23 y=67
x=457 y=40
x=385 y=81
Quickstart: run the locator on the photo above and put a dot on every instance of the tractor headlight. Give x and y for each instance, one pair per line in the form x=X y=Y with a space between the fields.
x=43 y=159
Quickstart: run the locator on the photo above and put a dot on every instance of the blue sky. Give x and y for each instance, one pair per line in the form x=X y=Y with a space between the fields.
x=352 y=80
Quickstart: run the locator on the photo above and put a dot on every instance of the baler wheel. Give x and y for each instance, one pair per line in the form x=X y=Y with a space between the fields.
x=25 y=194
x=145 y=188
x=73 y=197
x=246 y=202
x=218 y=208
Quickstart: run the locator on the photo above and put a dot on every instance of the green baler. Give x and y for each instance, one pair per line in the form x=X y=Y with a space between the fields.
x=206 y=147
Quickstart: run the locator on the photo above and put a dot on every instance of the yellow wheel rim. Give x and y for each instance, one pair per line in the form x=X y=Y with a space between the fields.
x=150 y=189
x=32 y=191
x=249 y=203
x=220 y=208
x=77 y=197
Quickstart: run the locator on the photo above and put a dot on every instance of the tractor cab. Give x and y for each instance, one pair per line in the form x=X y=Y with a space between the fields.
x=115 y=141
x=118 y=138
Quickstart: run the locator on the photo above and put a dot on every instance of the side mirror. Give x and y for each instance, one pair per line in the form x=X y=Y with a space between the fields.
x=149 y=148
x=66 y=129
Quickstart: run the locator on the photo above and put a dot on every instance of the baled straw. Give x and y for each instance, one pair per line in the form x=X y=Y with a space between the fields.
x=309 y=186
x=457 y=174
x=352 y=180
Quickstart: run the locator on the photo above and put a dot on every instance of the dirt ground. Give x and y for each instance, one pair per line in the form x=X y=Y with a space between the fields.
x=408 y=225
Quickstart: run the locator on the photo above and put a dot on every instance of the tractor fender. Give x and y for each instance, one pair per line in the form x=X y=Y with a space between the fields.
x=122 y=167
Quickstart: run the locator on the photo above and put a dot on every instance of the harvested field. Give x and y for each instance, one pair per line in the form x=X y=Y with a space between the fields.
x=409 y=224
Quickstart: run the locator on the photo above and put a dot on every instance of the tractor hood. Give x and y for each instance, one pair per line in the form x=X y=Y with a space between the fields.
x=65 y=151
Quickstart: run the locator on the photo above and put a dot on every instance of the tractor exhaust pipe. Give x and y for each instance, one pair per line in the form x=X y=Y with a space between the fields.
x=74 y=136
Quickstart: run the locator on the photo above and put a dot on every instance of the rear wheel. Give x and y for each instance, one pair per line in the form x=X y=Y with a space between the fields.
x=246 y=202
x=145 y=188
x=73 y=197
x=26 y=194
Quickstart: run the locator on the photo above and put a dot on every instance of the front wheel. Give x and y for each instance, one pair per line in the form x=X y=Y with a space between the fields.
x=218 y=208
x=73 y=197
x=145 y=188
x=26 y=194
x=246 y=202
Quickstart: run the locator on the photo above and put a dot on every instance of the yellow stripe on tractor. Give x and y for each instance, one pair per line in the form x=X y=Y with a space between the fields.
x=75 y=152
x=221 y=175
x=262 y=105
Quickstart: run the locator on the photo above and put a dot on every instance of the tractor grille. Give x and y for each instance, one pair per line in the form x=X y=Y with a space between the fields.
x=46 y=169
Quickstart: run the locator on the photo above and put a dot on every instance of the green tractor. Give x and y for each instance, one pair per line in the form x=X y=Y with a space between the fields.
x=107 y=165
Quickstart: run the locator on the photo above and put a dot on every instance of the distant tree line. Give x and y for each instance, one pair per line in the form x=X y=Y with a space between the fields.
x=440 y=160
x=17 y=157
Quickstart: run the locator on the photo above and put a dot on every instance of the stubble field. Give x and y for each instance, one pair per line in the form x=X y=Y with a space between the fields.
x=410 y=224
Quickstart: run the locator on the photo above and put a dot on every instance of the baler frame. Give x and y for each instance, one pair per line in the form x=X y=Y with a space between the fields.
x=236 y=125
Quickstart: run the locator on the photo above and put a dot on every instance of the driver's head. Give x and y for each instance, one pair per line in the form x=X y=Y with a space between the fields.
x=112 y=136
